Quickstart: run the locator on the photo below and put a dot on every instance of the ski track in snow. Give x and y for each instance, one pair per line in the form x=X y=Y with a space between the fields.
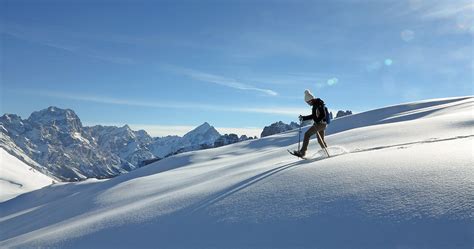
x=12 y=182
x=404 y=145
x=335 y=151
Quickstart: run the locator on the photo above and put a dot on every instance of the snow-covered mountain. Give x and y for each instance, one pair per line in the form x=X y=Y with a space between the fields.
x=232 y=138
x=341 y=113
x=56 y=139
x=131 y=146
x=165 y=146
x=278 y=127
x=17 y=178
x=202 y=137
x=203 y=134
x=399 y=177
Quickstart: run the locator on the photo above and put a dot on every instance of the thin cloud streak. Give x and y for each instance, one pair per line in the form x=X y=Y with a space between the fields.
x=290 y=79
x=449 y=10
x=153 y=104
x=456 y=16
x=274 y=110
x=217 y=79
x=65 y=41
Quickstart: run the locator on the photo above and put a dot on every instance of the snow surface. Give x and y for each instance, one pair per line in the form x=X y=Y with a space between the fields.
x=401 y=177
x=17 y=178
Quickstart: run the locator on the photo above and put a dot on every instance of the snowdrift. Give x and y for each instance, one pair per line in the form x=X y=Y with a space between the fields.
x=402 y=177
x=17 y=178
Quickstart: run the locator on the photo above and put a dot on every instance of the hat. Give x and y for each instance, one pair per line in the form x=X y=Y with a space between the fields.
x=308 y=95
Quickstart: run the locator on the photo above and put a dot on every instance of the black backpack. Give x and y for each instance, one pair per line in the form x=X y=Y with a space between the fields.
x=328 y=116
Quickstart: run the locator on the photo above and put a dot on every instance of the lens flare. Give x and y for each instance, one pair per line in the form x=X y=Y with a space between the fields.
x=388 y=62
x=407 y=35
x=332 y=81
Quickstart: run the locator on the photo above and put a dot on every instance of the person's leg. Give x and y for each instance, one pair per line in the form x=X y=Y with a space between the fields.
x=321 y=141
x=320 y=130
x=307 y=135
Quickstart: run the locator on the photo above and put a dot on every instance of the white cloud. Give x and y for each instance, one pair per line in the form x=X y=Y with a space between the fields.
x=294 y=79
x=220 y=80
x=457 y=15
x=447 y=9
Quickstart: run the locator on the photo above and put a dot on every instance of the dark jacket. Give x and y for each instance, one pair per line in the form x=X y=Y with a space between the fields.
x=318 y=113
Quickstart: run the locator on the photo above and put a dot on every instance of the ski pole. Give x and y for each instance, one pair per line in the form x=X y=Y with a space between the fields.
x=325 y=149
x=299 y=135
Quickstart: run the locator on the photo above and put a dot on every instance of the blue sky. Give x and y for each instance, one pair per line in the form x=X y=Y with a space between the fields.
x=168 y=66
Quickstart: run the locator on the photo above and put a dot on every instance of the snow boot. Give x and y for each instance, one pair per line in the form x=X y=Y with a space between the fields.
x=299 y=153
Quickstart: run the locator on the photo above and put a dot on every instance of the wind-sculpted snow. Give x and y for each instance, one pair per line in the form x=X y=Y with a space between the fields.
x=17 y=178
x=407 y=183
x=400 y=113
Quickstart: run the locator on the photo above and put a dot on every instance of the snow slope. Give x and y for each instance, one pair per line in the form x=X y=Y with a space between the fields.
x=17 y=178
x=401 y=177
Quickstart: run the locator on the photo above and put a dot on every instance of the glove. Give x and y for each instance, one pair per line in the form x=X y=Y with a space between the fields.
x=300 y=118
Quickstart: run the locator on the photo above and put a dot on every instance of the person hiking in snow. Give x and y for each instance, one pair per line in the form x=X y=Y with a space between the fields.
x=318 y=115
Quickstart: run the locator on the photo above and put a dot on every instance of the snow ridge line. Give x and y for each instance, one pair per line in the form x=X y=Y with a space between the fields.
x=432 y=140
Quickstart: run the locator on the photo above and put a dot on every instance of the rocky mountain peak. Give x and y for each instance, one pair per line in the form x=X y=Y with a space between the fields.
x=278 y=127
x=201 y=130
x=65 y=120
x=10 y=118
x=12 y=124
x=341 y=113
x=203 y=134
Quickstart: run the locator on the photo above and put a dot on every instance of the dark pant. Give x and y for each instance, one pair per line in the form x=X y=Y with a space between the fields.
x=316 y=128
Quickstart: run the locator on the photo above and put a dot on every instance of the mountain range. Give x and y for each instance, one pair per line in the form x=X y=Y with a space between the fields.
x=55 y=142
